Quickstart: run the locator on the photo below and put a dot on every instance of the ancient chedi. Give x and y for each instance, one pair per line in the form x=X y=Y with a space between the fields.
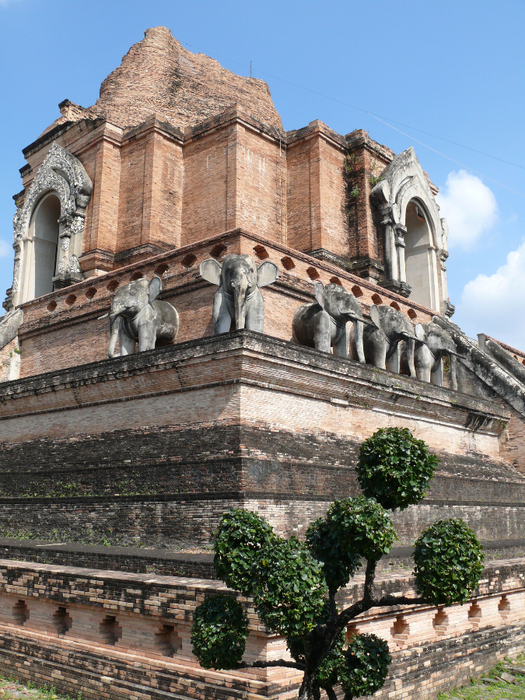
x=170 y=224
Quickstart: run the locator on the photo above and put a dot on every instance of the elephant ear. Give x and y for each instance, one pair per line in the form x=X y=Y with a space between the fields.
x=210 y=270
x=419 y=331
x=319 y=294
x=267 y=273
x=154 y=288
x=375 y=316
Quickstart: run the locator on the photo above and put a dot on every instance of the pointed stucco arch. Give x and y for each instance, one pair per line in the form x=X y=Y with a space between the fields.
x=61 y=176
x=414 y=234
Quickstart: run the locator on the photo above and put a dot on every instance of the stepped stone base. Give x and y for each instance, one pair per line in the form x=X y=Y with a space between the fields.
x=127 y=636
x=151 y=449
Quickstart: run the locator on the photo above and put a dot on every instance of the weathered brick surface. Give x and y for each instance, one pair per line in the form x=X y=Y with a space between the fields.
x=70 y=334
x=159 y=76
x=134 y=662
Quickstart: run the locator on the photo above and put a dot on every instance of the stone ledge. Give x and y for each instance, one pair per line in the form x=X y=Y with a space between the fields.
x=249 y=358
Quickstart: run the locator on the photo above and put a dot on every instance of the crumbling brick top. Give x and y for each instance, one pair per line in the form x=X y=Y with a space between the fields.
x=159 y=76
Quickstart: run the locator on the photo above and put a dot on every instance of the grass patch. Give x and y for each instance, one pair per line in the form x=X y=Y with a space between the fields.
x=491 y=686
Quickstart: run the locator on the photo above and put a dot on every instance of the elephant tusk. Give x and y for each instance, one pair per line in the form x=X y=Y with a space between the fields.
x=100 y=318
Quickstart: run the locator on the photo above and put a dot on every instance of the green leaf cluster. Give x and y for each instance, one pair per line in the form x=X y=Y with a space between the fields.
x=285 y=581
x=448 y=562
x=294 y=585
x=323 y=539
x=395 y=468
x=219 y=632
x=363 y=527
x=241 y=535
x=290 y=593
x=363 y=666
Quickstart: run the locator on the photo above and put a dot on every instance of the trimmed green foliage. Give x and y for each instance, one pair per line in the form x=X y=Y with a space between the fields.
x=294 y=585
x=328 y=672
x=239 y=539
x=363 y=527
x=365 y=665
x=339 y=564
x=219 y=632
x=395 y=468
x=449 y=562
x=290 y=591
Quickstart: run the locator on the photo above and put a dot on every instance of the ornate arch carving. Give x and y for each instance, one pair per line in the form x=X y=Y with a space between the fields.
x=64 y=175
x=403 y=182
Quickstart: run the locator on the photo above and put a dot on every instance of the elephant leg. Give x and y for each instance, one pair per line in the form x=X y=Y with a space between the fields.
x=340 y=344
x=222 y=318
x=411 y=346
x=322 y=332
x=392 y=360
x=254 y=318
x=453 y=372
x=126 y=344
x=423 y=363
x=147 y=337
x=358 y=338
x=437 y=372
x=376 y=347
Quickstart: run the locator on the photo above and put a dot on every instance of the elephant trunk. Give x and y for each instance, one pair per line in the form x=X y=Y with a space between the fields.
x=358 y=338
x=114 y=326
x=240 y=289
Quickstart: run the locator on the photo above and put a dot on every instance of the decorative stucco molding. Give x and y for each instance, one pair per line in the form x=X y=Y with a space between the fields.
x=64 y=175
x=402 y=182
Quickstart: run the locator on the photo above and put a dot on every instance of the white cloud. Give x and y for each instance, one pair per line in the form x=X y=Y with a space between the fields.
x=6 y=249
x=470 y=208
x=490 y=303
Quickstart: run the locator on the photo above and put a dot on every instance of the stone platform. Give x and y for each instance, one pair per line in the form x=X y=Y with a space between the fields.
x=149 y=450
x=126 y=636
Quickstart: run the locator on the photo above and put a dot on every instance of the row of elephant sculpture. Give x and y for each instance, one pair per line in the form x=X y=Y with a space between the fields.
x=385 y=341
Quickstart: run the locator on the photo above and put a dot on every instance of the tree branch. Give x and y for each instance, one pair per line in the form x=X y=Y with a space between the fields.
x=369 y=579
x=389 y=600
x=271 y=664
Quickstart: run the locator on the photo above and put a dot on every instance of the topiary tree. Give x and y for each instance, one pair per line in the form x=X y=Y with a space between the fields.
x=294 y=584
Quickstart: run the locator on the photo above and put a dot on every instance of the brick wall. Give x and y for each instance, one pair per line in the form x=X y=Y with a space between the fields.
x=53 y=335
x=122 y=635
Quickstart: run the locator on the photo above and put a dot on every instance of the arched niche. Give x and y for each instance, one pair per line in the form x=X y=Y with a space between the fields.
x=420 y=255
x=47 y=248
x=42 y=248
x=414 y=234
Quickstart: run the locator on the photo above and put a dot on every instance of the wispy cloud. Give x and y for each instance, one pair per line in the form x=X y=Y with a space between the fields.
x=470 y=208
x=3 y=3
x=490 y=303
x=6 y=249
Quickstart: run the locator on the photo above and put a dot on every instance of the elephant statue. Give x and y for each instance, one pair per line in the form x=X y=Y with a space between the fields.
x=136 y=315
x=382 y=337
x=238 y=297
x=322 y=325
x=434 y=344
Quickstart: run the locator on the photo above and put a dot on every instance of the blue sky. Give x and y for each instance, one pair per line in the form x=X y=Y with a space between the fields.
x=448 y=74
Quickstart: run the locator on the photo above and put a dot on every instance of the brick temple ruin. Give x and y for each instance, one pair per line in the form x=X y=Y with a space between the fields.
x=114 y=472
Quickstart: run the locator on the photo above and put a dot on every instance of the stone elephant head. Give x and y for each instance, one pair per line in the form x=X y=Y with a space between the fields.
x=434 y=345
x=322 y=325
x=389 y=327
x=137 y=316
x=238 y=298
